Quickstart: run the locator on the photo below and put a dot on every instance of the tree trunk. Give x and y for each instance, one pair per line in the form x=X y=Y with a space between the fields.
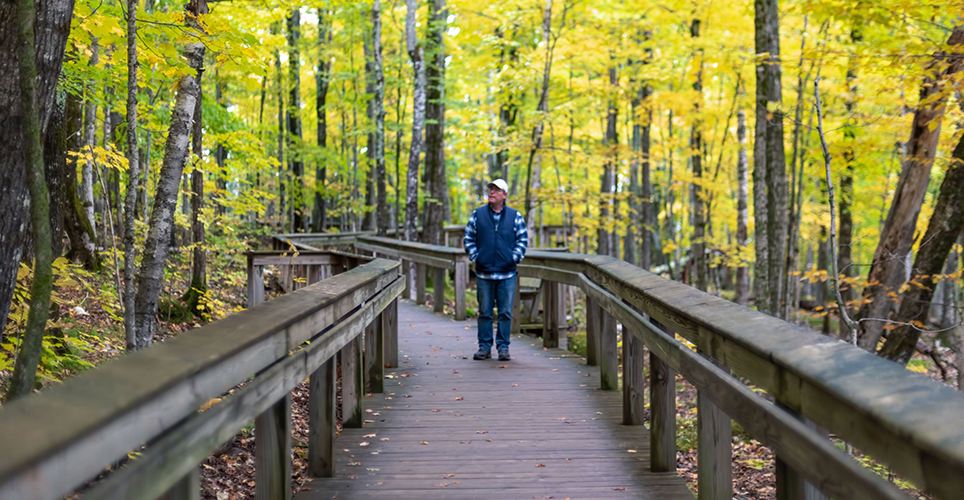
x=415 y=53
x=607 y=181
x=51 y=31
x=80 y=233
x=887 y=272
x=162 y=216
x=90 y=140
x=532 y=178
x=700 y=270
x=322 y=81
x=943 y=229
x=133 y=170
x=437 y=183
x=845 y=250
x=299 y=208
x=199 y=281
x=378 y=100
x=742 y=270
x=33 y=48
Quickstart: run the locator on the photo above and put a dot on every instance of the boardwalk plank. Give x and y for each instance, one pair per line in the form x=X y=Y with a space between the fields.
x=450 y=427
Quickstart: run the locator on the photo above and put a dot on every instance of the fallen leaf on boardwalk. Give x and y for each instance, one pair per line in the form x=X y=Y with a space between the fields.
x=630 y=451
x=457 y=482
x=455 y=371
x=354 y=464
x=503 y=366
x=458 y=398
x=515 y=385
x=554 y=369
x=364 y=443
x=383 y=439
x=488 y=440
x=405 y=375
x=436 y=411
x=424 y=442
x=441 y=485
x=448 y=476
x=619 y=489
x=540 y=465
x=408 y=395
x=251 y=483
x=481 y=432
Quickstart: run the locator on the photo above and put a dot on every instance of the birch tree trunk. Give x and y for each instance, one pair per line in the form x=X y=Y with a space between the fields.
x=381 y=195
x=887 y=272
x=436 y=181
x=133 y=169
x=165 y=200
x=90 y=140
x=845 y=250
x=199 y=282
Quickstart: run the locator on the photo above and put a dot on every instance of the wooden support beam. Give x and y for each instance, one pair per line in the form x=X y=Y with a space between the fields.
x=634 y=379
x=550 y=315
x=608 y=362
x=420 y=284
x=461 y=283
x=321 y=421
x=438 y=291
x=272 y=457
x=188 y=488
x=517 y=306
x=390 y=334
x=352 y=384
x=374 y=357
x=593 y=325
x=409 y=274
x=715 y=450
x=662 y=415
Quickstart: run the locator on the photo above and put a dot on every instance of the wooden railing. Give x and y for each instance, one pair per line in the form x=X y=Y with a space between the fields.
x=813 y=384
x=146 y=404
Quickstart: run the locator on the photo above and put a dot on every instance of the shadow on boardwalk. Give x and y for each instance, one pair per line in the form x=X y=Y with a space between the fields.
x=449 y=427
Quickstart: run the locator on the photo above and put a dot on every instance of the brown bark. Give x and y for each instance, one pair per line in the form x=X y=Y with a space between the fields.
x=700 y=271
x=887 y=272
x=51 y=31
x=322 y=81
x=943 y=230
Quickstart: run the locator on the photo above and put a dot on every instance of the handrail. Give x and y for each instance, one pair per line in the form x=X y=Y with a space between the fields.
x=54 y=441
x=905 y=420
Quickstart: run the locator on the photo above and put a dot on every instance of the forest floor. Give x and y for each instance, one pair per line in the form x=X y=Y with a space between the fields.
x=228 y=473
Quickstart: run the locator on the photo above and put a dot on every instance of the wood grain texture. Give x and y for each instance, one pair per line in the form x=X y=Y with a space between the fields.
x=452 y=427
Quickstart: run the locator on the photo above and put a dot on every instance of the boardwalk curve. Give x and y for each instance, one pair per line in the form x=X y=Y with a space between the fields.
x=451 y=427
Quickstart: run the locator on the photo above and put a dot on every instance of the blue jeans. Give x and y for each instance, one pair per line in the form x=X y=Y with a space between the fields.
x=491 y=292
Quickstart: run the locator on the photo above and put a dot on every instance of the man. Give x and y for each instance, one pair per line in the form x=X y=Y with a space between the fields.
x=495 y=239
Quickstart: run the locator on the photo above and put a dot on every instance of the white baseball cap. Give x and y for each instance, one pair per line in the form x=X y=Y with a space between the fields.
x=499 y=183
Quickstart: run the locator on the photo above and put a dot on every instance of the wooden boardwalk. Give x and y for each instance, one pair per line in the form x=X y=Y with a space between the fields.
x=449 y=427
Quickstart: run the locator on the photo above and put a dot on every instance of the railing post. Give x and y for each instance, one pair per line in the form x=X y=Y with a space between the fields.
x=187 y=488
x=593 y=324
x=352 y=384
x=390 y=334
x=272 y=456
x=439 y=290
x=321 y=421
x=461 y=283
x=790 y=484
x=608 y=362
x=715 y=449
x=420 y=284
x=517 y=306
x=714 y=440
x=550 y=314
x=634 y=379
x=255 y=282
x=374 y=357
x=409 y=274
x=662 y=413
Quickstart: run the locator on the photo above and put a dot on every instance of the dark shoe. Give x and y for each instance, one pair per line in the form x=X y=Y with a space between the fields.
x=504 y=355
x=483 y=354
